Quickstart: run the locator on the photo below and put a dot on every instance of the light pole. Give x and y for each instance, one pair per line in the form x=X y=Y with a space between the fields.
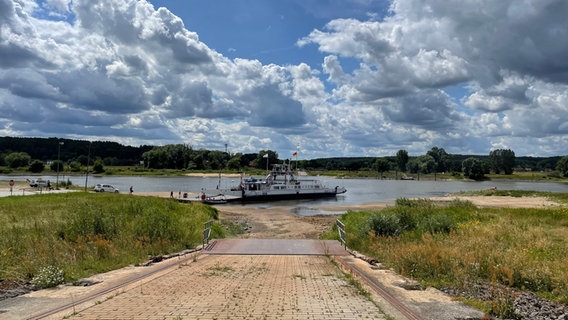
x=58 y=164
x=88 y=160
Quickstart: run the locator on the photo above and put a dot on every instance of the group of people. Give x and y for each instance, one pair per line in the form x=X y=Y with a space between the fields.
x=131 y=191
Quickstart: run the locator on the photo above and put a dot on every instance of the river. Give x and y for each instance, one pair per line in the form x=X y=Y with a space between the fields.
x=359 y=191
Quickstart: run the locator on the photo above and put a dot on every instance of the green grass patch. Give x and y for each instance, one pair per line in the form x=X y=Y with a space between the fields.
x=459 y=244
x=82 y=234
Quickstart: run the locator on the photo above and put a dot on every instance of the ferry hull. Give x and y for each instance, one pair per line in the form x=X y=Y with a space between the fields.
x=259 y=196
x=291 y=196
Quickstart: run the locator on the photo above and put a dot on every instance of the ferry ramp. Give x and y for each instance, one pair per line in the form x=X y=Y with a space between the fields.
x=301 y=247
x=237 y=279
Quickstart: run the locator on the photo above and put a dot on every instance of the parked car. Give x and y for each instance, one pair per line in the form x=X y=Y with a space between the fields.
x=105 y=188
x=39 y=183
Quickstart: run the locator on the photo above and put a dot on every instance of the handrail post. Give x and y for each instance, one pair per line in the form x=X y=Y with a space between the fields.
x=206 y=232
x=342 y=232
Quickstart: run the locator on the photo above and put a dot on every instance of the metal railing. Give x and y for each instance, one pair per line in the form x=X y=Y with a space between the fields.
x=207 y=232
x=341 y=229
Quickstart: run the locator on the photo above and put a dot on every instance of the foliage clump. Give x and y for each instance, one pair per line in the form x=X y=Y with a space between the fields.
x=48 y=277
x=420 y=216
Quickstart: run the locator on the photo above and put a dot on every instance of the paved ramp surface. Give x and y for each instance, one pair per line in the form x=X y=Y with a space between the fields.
x=301 y=247
x=232 y=287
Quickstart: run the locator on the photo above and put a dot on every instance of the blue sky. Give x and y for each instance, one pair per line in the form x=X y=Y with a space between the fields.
x=334 y=77
x=267 y=31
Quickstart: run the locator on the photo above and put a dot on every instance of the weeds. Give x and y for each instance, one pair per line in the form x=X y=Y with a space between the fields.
x=91 y=233
x=458 y=244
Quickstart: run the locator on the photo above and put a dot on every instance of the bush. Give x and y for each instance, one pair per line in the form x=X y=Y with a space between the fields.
x=437 y=223
x=36 y=166
x=98 y=166
x=17 y=159
x=55 y=165
x=385 y=225
x=48 y=277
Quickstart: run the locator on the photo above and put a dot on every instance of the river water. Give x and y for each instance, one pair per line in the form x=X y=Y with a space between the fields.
x=359 y=191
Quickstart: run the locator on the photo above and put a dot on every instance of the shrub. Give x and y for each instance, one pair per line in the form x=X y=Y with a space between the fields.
x=57 y=165
x=48 y=277
x=385 y=225
x=36 y=166
x=437 y=223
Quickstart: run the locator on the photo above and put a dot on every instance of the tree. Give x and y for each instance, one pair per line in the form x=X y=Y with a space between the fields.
x=473 y=169
x=55 y=164
x=36 y=166
x=421 y=164
x=98 y=166
x=402 y=160
x=235 y=162
x=74 y=166
x=562 y=166
x=382 y=166
x=502 y=160
x=442 y=158
x=82 y=159
x=17 y=159
x=173 y=156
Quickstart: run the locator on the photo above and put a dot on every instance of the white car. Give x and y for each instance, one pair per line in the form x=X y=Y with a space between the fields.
x=105 y=188
x=38 y=183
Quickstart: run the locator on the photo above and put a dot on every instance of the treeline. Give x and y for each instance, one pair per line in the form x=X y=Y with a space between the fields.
x=68 y=150
x=437 y=160
x=20 y=152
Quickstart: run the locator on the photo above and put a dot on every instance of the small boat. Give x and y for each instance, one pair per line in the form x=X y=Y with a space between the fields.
x=280 y=184
x=217 y=199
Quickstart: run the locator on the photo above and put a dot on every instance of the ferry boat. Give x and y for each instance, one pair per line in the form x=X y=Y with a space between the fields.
x=280 y=184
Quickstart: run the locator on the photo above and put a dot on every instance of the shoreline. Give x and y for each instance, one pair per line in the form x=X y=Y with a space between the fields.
x=21 y=188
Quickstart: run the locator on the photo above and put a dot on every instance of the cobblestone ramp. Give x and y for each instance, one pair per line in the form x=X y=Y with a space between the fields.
x=275 y=247
x=241 y=287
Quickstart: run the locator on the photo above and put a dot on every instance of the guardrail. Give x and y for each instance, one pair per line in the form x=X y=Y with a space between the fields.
x=207 y=232
x=341 y=229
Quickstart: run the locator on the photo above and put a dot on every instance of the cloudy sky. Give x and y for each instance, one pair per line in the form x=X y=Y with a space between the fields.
x=334 y=77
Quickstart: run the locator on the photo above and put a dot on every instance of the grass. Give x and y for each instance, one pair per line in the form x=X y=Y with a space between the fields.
x=460 y=244
x=82 y=234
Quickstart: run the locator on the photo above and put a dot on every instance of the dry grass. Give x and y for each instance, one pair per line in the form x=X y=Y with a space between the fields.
x=524 y=249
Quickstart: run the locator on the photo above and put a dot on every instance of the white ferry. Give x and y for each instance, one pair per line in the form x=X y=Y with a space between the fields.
x=280 y=184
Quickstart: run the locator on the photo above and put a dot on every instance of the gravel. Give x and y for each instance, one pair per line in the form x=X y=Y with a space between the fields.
x=13 y=288
x=521 y=305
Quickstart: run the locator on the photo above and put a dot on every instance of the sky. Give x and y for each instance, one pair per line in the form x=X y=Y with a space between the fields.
x=329 y=78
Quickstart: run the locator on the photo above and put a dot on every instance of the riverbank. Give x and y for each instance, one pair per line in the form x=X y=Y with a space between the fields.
x=479 y=201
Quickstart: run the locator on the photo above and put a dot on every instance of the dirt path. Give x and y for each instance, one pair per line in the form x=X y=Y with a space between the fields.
x=276 y=223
